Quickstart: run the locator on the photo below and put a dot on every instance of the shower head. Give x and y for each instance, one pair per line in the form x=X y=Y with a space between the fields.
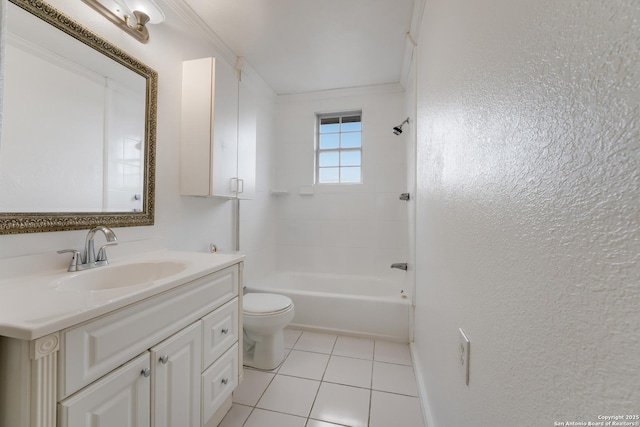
x=398 y=129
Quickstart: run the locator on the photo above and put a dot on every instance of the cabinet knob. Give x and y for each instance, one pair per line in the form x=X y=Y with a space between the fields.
x=225 y=331
x=225 y=381
x=164 y=359
x=146 y=372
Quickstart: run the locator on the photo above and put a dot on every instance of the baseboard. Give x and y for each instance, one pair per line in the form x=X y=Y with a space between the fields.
x=422 y=388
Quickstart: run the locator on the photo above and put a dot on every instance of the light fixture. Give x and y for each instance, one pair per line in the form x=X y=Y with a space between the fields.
x=132 y=16
x=398 y=129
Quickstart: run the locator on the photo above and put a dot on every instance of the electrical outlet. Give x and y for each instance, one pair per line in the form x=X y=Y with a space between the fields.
x=463 y=355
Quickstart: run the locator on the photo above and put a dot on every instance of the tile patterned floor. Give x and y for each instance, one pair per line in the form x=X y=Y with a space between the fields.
x=330 y=381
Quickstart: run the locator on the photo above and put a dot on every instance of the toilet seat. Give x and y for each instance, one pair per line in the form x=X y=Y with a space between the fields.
x=265 y=304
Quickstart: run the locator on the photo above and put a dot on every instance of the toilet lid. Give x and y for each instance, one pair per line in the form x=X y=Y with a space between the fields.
x=263 y=303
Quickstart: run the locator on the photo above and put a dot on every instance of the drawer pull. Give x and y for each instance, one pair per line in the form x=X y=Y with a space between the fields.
x=225 y=331
x=146 y=372
x=225 y=381
x=164 y=359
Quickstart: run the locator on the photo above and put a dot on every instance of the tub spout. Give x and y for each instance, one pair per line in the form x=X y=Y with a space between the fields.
x=400 y=265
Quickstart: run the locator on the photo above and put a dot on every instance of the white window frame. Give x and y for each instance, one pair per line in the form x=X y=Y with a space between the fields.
x=339 y=149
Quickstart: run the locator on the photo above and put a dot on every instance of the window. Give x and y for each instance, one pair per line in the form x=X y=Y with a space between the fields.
x=339 y=149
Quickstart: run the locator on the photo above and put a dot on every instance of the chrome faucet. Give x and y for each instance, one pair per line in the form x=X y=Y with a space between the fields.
x=88 y=259
x=89 y=249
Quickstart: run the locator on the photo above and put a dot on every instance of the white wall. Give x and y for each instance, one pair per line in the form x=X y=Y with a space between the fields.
x=528 y=226
x=343 y=229
x=186 y=223
x=258 y=215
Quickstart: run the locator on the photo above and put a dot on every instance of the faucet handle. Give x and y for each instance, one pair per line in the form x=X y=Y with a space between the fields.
x=76 y=259
x=102 y=252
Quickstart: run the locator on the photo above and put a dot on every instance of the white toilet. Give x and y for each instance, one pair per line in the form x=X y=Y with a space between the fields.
x=265 y=316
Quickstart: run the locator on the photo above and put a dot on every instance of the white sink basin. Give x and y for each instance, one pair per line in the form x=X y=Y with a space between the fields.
x=119 y=276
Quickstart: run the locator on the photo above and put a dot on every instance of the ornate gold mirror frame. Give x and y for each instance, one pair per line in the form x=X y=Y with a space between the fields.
x=27 y=222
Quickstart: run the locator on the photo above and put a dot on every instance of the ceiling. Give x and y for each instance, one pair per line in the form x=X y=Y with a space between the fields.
x=302 y=46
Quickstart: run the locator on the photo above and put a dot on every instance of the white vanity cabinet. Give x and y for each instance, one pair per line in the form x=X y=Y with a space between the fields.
x=161 y=387
x=218 y=132
x=170 y=360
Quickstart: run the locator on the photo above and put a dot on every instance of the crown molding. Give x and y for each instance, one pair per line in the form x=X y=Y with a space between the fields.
x=343 y=92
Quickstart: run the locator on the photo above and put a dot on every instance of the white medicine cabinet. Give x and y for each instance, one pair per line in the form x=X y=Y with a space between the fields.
x=218 y=134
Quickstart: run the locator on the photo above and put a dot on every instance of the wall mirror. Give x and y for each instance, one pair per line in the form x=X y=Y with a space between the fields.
x=77 y=143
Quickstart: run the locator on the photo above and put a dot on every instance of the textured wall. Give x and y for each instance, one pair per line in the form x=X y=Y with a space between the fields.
x=529 y=209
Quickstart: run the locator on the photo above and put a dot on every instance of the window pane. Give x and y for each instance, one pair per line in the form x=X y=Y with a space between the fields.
x=349 y=158
x=329 y=175
x=331 y=140
x=329 y=128
x=351 y=119
x=351 y=140
x=351 y=175
x=349 y=125
x=330 y=125
x=329 y=159
x=329 y=120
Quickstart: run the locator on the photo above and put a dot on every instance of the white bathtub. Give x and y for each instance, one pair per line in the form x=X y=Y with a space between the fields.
x=354 y=305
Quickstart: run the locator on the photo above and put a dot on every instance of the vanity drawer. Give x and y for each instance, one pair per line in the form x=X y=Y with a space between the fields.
x=220 y=331
x=218 y=382
x=91 y=350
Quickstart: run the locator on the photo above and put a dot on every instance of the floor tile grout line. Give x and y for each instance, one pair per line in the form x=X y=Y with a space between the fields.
x=322 y=421
x=323 y=381
x=257 y=401
x=253 y=408
x=391 y=363
x=373 y=364
x=275 y=412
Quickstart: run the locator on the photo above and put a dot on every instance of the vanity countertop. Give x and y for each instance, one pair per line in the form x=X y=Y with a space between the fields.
x=33 y=305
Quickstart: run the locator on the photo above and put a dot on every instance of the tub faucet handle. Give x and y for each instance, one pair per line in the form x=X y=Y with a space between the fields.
x=400 y=265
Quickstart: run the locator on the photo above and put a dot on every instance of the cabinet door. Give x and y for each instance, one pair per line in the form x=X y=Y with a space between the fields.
x=209 y=131
x=247 y=122
x=121 y=398
x=224 y=149
x=176 y=365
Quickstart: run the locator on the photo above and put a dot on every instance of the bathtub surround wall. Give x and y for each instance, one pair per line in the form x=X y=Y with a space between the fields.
x=185 y=223
x=528 y=235
x=357 y=229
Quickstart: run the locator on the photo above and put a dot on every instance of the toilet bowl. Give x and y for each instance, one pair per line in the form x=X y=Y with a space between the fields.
x=264 y=317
